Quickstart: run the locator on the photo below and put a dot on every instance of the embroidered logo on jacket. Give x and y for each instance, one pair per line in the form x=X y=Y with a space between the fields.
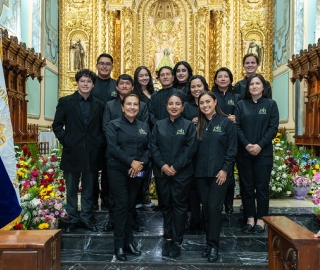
x=230 y=102
x=180 y=132
x=263 y=111
x=217 y=128
x=114 y=94
x=142 y=131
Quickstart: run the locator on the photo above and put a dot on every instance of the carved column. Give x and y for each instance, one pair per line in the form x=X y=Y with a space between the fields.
x=111 y=30
x=127 y=24
x=201 y=32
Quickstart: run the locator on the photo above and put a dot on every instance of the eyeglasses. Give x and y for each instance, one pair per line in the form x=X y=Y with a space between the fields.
x=107 y=64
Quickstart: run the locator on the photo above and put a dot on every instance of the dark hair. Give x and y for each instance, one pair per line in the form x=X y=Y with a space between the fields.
x=167 y=67
x=105 y=55
x=129 y=95
x=248 y=55
x=247 y=94
x=204 y=82
x=137 y=87
x=86 y=73
x=175 y=95
x=125 y=77
x=202 y=117
x=215 y=87
x=187 y=65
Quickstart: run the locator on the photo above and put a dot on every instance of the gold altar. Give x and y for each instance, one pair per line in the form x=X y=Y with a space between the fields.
x=206 y=33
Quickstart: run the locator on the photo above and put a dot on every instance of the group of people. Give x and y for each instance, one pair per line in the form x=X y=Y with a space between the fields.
x=188 y=136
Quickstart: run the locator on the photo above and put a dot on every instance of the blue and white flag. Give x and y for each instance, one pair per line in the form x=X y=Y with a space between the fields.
x=10 y=207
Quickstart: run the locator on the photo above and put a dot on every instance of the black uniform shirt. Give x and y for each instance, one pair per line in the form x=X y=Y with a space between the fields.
x=105 y=90
x=85 y=106
x=113 y=110
x=128 y=141
x=240 y=88
x=217 y=149
x=190 y=110
x=182 y=86
x=227 y=101
x=158 y=101
x=174 y=143
x=257 y=123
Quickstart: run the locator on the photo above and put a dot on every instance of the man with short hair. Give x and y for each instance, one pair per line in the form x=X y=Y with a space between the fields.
x=78 y=126
x=105 y=90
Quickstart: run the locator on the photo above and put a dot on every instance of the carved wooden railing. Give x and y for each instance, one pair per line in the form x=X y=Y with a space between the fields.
x=291 y=246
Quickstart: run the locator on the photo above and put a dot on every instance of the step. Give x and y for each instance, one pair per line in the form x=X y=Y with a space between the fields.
x=86 y=250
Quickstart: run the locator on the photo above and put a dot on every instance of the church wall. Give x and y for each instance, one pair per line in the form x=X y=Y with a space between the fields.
x=34 y=98
x=282 y=88
x=51 y=86
x=9 y=12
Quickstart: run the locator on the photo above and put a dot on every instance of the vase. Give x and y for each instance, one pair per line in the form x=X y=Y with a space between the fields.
x=300 y=193
x=54 y=225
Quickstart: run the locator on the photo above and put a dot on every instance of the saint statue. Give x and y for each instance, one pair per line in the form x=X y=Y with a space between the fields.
x=165 y=60
x=78 y=53
x=255 y=49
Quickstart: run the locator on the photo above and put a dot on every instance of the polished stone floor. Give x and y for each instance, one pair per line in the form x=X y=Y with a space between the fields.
x=86 y=250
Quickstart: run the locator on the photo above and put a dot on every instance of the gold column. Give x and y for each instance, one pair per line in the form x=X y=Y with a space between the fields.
x=111 y=21
x=127 y=58
x=201 y=32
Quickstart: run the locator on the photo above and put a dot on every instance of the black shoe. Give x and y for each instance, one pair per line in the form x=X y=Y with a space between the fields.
x=131 y=249
x=120 y=255
x=247 y=228
x=205 y=252
x=108 y=227
x=70 y=227
x=175 y=250
x=89 y=226
x=259 y=229
x=212 y=254
x=166 y=247
x=229 y=209
x=136 y=225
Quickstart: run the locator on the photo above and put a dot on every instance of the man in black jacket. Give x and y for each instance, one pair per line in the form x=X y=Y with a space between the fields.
x=78 y=126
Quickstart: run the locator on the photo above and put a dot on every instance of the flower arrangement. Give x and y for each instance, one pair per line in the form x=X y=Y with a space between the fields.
x=42 y=189
x=301 y=181
x=316 y=192
x=292 y=167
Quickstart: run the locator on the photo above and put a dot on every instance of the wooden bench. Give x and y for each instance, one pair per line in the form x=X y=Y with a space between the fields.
x=30 y=250
x=291 y=246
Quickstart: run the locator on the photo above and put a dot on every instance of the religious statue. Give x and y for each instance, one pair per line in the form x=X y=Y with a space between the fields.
x=78 y=53
x=165 y=60
x=255 y=49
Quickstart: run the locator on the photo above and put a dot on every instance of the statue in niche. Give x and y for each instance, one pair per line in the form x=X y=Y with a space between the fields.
x=256 y=49
x=163 y=55
x=78 y=53
x=165 y=60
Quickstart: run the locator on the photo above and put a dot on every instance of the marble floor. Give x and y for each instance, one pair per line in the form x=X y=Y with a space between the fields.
x=85 y=250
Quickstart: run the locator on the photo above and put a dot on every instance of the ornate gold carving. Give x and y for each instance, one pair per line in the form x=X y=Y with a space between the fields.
x=127 y=20
x=206 y=33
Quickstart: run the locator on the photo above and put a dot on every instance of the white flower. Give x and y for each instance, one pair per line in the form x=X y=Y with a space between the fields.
x=273 y=172
x=276 y=157
x=34 y=202
x=284 y=175
x=273 y=188
x=279 y=189
x=278 y=178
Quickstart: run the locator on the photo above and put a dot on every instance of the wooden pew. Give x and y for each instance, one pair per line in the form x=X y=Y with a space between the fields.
x=291 y=246
x=30 y=250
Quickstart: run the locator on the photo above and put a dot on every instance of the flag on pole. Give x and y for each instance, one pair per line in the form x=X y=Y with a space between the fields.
x=10 y=208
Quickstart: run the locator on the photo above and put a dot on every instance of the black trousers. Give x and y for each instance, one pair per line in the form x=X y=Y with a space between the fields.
x=194 y=204
x=255 y=173
x=228 y=201
x=124 y=190
x=212 y=198
x=104 y=194
x=72 y=184
x=174 y=192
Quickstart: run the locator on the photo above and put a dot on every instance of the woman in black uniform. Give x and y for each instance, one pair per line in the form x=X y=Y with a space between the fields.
x=182 y=73
x=257 y=124
x=128 y=153
x=197 y=85
x=143 y=84
x=227 y=100
x=217 y=149
x=173 y=145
